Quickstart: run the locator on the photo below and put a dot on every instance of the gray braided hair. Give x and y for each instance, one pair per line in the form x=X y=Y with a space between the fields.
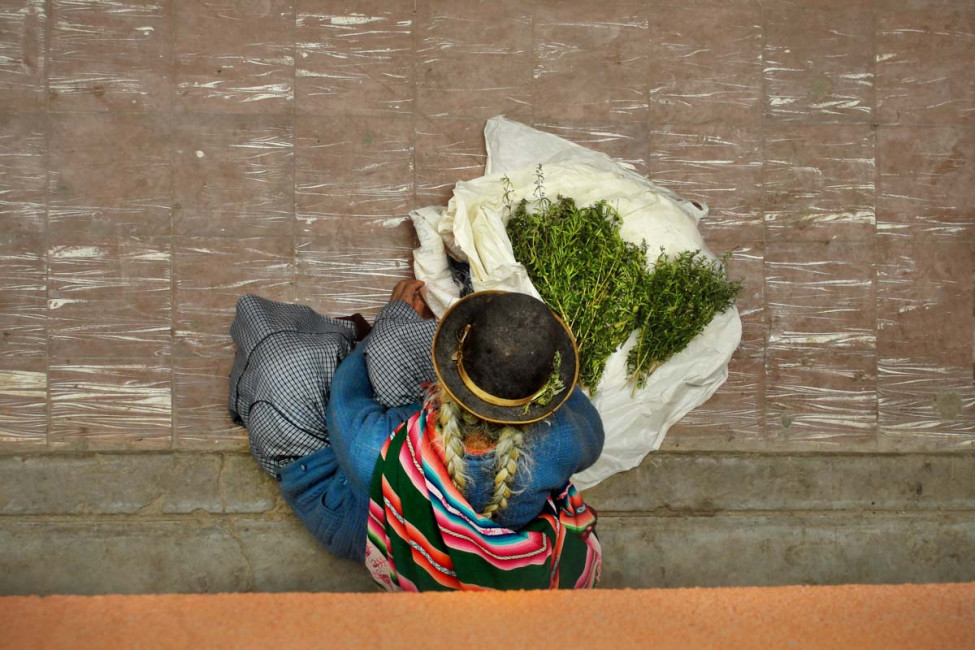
x=455 y=425
x=453 y=442
x=511 y=441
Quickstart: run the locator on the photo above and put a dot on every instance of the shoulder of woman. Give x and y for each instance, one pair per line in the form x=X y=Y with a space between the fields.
x=566 y=437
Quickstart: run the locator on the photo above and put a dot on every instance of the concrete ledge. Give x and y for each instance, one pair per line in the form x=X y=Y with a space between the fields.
x=150 y=483
x=199 y=554
x=715 y=482
x=784 y=549
x=172 y=483
x=241 y=553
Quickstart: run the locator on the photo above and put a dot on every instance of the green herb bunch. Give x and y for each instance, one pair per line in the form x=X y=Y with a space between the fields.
x=600 y=285
x=677 y=300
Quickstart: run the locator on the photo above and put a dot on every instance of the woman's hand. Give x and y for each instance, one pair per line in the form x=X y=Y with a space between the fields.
x=409 y=292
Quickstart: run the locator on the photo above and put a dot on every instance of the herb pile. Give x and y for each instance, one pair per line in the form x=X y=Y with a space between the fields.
x=601 y=287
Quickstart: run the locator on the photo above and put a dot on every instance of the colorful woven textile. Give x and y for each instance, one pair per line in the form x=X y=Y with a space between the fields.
x=424 y=536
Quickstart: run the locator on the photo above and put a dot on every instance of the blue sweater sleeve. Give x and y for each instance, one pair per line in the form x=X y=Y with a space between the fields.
x=358 y=425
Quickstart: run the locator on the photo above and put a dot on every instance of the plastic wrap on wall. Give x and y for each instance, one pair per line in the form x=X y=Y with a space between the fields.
x=23 y=276
x=158 y=159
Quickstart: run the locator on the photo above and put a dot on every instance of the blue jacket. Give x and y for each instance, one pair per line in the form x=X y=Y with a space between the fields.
x=329 y=490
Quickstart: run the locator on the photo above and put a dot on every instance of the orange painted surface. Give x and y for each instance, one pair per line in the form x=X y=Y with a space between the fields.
x=854 y=616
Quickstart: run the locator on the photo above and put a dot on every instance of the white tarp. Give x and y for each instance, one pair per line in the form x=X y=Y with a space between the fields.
x=472 y=229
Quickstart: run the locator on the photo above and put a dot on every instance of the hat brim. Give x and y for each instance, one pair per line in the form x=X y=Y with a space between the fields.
x=445 y=341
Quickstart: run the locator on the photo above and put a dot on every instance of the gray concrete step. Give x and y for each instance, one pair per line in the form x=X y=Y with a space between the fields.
x=171 y=483
x=171 y=522
x=218 y=553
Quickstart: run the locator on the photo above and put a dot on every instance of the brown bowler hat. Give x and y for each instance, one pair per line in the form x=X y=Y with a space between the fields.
x=495 y=353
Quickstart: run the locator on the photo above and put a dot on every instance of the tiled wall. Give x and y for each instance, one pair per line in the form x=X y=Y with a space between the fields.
x=159 y=159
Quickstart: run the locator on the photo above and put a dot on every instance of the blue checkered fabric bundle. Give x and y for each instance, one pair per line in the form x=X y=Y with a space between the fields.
x=282 y=374
x=286 y=356
x=399 y=355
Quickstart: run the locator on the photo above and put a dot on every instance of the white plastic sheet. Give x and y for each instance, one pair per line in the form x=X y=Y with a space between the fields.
x=472 y=228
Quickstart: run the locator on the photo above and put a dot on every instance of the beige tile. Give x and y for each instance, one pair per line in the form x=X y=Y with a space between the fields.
x=110 y=176
x=234 y=175
x=23 y=403
x=111 y=56
x=447 y=152
x=705 y=62
x=924 y=300
x=355 y=56
x=924 y=62
x=23 y=270
x=925 y=404
x=924 y=343
x=718 y=164
x=819 y=60
x=109 y=299
x=235 y=57
x=822 y=397
x=352 y=166
x=354 y=268
x=200 y=393
x=23 y=297
x=925 y=180
x=23 y=173
x=473 y=59
x=820 y=295
x=819 y=182
x=118 y=404
x=590 y=63
x=211 y=273
x=23 y=56
x=821 y=383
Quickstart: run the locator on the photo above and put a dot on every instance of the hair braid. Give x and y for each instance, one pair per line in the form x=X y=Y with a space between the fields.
x=456 y=425
x=453 y=443
x=511 y=442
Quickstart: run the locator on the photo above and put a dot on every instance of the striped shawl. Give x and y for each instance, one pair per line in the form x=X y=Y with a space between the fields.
x=424 y=536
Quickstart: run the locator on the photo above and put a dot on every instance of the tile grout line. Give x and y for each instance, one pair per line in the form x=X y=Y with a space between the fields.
x=46 y=238
x=173 y=293
x=230 y=113
x=875 y=297
x=532 y=16
x=650 y=125
x=415 y=104
x=766 y=316
x=294 y=152
x=648 y=149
